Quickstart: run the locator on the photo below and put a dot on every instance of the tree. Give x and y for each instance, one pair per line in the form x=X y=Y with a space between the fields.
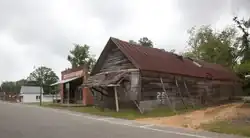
x=244 y=53
x=45 y=76
x=244 y=25
x=13 y=86
x=172 y=51
x=215 y=47
x=80 y=56
x=144 y=41
x=132 y=42
x=9 y=86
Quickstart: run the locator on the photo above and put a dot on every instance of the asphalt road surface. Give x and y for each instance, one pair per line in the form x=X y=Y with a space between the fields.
x=27 y=121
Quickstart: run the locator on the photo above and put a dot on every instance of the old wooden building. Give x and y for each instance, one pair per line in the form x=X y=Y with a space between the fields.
x=130 y=75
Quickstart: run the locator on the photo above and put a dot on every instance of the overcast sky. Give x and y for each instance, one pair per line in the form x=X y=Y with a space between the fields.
x=41 y=32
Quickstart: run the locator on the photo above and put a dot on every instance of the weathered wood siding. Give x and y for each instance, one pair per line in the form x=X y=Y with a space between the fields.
x=190 y=91
x=128 y=92
x=115 y=61
x=135 y=87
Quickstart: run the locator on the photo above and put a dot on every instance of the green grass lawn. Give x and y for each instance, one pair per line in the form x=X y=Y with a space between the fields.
x=228 y=127
x=130 y=114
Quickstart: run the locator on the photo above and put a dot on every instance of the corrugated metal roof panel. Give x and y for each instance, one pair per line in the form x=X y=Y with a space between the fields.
x=153 y=59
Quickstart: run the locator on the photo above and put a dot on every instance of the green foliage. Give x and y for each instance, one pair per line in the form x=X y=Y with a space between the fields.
x=80 y=56
x=132 y=42
x=244 y=53
x=228 y=127
x=243 y=68
x=44 y=76
x=13 y=86
x=211 y=46
x=244 y=26
x=9 y=86
x=144 y=41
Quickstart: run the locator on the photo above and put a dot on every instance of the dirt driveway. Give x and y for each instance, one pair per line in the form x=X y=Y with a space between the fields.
x=196 y=118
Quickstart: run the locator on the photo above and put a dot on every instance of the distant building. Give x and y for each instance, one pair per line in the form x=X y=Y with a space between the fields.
x=30 y=94
x=2 y=95
x=71 y=90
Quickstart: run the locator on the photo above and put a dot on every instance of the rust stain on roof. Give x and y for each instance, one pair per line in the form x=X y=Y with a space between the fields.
x=153 y=59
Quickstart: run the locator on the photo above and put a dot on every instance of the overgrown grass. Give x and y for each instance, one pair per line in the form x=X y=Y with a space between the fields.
x=130 y=114
x=43 y=103
x=228 y=127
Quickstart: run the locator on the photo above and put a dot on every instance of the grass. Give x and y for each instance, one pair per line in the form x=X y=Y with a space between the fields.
x=236 y=126
x=43 y=103
x=220 y=126
x=130 y=114
x=228 y=127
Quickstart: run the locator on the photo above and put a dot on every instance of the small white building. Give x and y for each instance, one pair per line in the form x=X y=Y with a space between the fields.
x=30 y=94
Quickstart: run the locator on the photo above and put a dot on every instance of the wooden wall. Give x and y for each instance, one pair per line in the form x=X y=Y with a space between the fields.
x=190 y=91
x=115 y=61
x=108 y=100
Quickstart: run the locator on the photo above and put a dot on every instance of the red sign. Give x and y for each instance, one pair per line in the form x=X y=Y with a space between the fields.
x=73 y=74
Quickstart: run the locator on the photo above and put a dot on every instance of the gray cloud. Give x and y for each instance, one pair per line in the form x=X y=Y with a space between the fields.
x=200 y=12
x=29 y=22
x=238 y=5
x=113 y=13
x=34 y=33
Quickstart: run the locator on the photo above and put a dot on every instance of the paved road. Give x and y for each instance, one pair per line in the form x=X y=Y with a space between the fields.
x=26 y=121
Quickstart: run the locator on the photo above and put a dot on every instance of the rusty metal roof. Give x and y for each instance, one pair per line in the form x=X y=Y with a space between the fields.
x=153 y=59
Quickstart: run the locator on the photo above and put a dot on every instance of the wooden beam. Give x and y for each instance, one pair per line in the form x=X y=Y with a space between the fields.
x=189 y=95
x=112 y=85
x=116 y=100
x=169 y=102
x=179 y=91
x=122 y=70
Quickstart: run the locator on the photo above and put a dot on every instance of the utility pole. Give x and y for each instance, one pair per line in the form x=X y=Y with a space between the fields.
x=1 y=88
x=41 y=86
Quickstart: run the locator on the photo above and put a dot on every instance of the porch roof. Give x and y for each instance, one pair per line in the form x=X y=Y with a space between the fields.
x=106 y=79
x=64 y=81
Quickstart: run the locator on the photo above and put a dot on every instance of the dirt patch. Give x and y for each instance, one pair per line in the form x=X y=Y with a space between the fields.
x=196 y=118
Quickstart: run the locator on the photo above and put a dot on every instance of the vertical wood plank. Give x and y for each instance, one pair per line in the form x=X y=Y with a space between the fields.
x=169 y=102
x=116 y=99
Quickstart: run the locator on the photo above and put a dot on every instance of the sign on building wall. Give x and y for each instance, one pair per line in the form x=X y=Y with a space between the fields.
x=73 y=74
x=161 y=97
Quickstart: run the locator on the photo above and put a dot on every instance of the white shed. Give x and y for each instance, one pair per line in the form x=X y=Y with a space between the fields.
x=30 y=94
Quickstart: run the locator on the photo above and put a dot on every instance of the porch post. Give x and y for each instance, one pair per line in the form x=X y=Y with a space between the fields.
x=68 y=90
x=116 y=99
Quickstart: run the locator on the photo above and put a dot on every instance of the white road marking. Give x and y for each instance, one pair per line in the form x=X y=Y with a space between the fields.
x=147 y=127
x=103 y=119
